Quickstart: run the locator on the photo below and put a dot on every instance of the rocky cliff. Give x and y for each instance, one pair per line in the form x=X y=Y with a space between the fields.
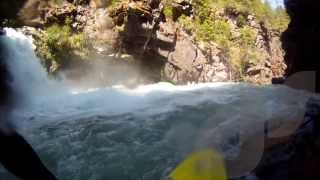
x=168 y=40
x=155 y=35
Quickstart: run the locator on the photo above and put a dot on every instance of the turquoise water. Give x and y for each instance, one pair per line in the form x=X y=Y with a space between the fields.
x=149 y=142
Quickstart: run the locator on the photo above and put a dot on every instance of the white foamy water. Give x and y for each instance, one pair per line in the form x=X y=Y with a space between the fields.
x=142 y=133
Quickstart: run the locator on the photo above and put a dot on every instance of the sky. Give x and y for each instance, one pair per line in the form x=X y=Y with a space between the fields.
x=275 y=3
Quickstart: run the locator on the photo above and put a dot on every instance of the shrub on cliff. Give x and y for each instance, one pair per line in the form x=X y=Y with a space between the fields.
x=59 y=45
x=214 y=30
x=205 y=10
x=234 y=26
x=247 y=37
x=167 y=10
x=207 y=25
x=241 y=59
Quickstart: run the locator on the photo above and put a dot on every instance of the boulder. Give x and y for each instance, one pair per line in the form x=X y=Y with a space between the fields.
x=188 y=63
x=184 y=55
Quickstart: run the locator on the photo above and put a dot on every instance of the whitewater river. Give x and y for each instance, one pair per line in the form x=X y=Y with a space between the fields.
x=136 y=134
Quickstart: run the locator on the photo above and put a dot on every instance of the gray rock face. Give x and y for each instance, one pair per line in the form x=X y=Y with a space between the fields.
x=183 y=55
x=189 y=64
x=99 y=28
x=186 y=61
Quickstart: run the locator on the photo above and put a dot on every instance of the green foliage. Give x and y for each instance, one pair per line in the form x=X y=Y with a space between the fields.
x=242 y=58
x=208 y=25
x=241 y=20
x=203 y=9
x=205 y=25
x=187 y=24
x=273 y=19
x=167 y=11
x=243 y=54
x=113 y=2
x=247 y=37
x=56 y=1
x=281 y=20
x=60 y=45
x=217 y=31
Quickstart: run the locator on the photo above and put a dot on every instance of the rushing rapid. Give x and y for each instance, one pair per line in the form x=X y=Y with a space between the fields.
x=136 y=134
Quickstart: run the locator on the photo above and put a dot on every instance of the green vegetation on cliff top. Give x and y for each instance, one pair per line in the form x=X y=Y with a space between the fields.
x=59 y=46
x=209 y=23
x=204 y=10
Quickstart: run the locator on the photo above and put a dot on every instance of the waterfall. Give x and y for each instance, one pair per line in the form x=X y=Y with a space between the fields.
x=141 y=133
x=29 y=77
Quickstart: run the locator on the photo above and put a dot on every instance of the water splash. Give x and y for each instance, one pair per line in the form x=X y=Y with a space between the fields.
x=29 y=77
